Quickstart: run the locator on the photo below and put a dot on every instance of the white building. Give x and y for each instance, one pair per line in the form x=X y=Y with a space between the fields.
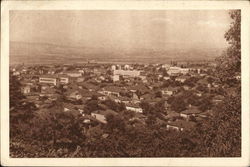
x=74 y=74
x=113 y=67
x=129 y=73
x=184 y=71
x=127 y=67
x=64 y=80
x=177 y=70
x=16 y=73
x=166 y=66
x=116 y=78
x=26 y=90
x=182 y=79
x=48 y=80
x=135 y=109
x=171 y=127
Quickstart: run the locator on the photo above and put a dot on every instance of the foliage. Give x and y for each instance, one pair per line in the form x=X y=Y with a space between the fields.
x=21 y=111
x=230 y=63
x=114 y=106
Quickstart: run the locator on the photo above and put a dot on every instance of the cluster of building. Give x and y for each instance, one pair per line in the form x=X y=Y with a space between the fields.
x=129 y=84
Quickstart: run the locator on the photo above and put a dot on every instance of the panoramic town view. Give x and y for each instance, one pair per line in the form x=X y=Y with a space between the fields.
x=134 y=99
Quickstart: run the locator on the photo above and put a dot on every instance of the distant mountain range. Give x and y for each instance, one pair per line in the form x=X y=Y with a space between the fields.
x=43 y=53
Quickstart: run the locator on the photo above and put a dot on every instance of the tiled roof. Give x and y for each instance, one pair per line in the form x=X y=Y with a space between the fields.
x=48 y=76
x=183 y=77
x=192 y=110
x=133 y=105
x=113 y=88
x=183 y=124
x=106 y=112
x=172 y=114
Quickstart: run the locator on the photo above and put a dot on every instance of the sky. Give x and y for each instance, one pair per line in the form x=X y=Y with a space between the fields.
x=128 y=30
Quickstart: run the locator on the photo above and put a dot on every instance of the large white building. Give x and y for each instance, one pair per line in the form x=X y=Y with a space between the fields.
x=129 y=73
x=54 y=79
x=48 y=80
x=166 y=66
x=177 y=70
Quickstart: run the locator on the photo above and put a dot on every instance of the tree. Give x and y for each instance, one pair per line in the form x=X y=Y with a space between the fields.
x=158 y=94
x=178 y=104
x=114 y=106
x=115 y=122
x=160 y=106
x=146 y=107
x=230 y=63
x=193 y=100
x=21 y=111
x=205 y=103
x=91 y=105
x=221 y=135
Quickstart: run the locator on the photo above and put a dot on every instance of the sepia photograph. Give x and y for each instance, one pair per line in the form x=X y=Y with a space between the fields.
x=125 y=83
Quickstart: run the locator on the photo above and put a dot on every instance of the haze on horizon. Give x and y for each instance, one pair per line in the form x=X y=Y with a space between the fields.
x=123 y=30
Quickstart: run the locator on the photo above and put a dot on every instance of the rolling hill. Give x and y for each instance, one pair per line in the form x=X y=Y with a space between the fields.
x=44 y=53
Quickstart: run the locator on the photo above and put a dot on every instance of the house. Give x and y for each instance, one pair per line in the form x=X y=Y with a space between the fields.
x=87 y=119
x=206 y=114
x=134 y=107
x=111 y=91
x=169 y=91
x=70 y=107
x=166 y=78
x=79 y=79
x=184 y=71
x=113 y=67
x=182 y=78
x=16 y=73
x=218 y=98
x=126 y=67
x=102 y=114
x=124 y=99
x=76 y=95
x=47 y=90
x=116 y=78
x=238 y=77
x=74 y=74
x=102 y=97
x=174 y=127
x=99 y=117
x=25 y=89
x=172 y=115
x=186 y=87
x=180 y=125
x=191 y=111
x=81 y=71
x=63 y=79
x=166 y=66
